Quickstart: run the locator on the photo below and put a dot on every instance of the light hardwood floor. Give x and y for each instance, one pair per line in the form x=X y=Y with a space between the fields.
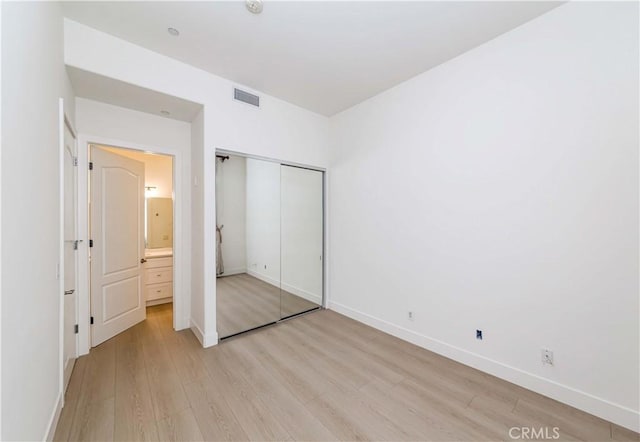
x=245 y=302
x=320 y=376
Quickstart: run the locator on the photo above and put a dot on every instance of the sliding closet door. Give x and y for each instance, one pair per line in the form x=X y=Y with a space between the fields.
x=248 y=249
x=269 y=220
x=301 y=240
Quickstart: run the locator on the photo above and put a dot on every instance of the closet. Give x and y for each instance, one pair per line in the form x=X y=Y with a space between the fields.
x=270 y=247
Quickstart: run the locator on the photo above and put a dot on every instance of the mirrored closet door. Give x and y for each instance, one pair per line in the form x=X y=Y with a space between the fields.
x=301 y=240
x=269 y=224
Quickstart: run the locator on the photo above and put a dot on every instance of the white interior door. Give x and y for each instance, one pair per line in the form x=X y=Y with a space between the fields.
x=70 y=337
x=117 y=232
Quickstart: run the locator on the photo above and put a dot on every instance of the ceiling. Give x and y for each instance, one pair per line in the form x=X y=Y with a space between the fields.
x=111 y=91
x=322 y=56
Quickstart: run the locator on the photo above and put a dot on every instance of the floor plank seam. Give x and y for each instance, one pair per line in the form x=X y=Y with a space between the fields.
x=318 y=377
x=76 y=402
x=115 y=390
x=471 y=400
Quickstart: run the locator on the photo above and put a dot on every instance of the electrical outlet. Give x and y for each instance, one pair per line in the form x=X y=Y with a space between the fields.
x=479 y=335
x=410 y=315
x=547 y=357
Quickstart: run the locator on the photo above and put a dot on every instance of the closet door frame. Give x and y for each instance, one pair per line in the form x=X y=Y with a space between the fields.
x=323 y=170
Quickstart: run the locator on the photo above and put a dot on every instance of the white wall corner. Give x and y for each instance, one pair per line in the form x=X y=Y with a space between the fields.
x=206 y=340
x=197 y=331
x=55 y=417
x=234 y=271
x=210 y=340
x=183 y=324
x=602 y=408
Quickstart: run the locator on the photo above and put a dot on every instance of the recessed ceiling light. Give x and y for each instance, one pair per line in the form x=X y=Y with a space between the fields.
x=254 y=6
x=165 y=112
x=173 y=31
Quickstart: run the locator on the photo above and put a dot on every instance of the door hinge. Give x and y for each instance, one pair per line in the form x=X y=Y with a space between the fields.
x=90 y=165
x=75 y=329
x=90 y=243
x=91 y=321
x=75 y=161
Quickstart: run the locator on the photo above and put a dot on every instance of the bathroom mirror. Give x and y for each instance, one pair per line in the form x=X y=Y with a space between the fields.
x=159 y=223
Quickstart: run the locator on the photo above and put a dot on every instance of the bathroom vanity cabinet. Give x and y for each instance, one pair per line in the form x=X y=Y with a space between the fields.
x=158 y=272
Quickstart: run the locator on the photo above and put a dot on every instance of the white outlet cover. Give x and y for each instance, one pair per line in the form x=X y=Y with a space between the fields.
x=547 y=357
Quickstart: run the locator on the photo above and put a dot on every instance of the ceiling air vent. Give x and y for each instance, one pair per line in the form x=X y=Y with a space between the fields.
x=246 y=97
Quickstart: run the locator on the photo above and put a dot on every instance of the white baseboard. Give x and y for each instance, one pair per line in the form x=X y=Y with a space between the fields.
x=206 y=340
x=263 y=277
x=210 y=340
x=607 y=410
x=197 y=331
x=159 y=301
x=287 y=287
x=302 y=293
x=236 y=271
x=53 y=420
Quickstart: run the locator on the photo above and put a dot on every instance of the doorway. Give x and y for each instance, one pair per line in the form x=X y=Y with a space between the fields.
x=131 y=231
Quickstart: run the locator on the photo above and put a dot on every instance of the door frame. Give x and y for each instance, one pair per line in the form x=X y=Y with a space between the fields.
x=181 y=292
x=64 y=121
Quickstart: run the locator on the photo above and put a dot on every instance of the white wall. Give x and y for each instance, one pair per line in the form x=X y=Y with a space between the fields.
x=1 y=185
x=231 y=213
x=500 y=191
x=263 y=220
x=158 y=173
x=158 y=170
x=33 y=80
x=197 y=320
x=98 y=121
x=276 y=130
x=97 y=118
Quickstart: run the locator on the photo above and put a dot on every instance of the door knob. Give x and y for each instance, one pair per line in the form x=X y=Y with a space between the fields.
x=69 y=292
x=142 y=261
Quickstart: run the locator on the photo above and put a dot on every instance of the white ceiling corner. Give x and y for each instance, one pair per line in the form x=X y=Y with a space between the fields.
x=118 y=93
x=322 y=56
